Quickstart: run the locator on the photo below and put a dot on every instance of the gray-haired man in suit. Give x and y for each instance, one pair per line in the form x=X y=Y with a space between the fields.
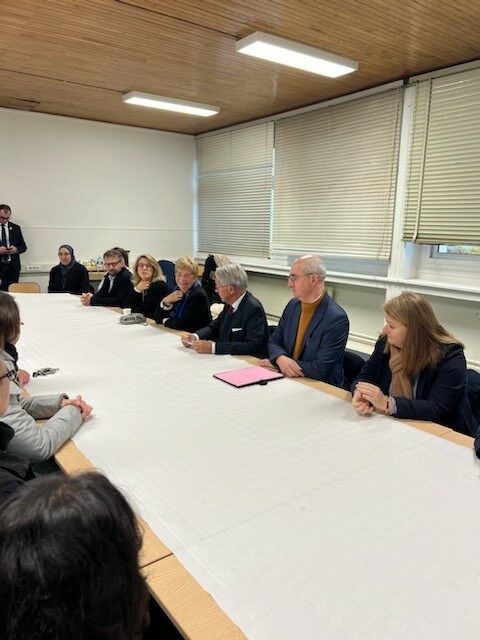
x=241 y=328
x=312 y=333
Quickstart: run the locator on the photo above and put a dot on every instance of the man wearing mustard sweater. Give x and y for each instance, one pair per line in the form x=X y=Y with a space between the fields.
x=312 y=333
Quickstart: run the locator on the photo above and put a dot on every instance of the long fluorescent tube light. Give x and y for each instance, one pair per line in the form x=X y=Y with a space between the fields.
x=170 y=104
x=294 y=54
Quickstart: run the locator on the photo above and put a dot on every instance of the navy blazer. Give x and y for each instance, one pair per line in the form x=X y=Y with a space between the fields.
x=76 y=280
x=324 y=342
x=16 y=238
x=122 y=286
x=441 y=393
x=244 y=332
x=196 y=311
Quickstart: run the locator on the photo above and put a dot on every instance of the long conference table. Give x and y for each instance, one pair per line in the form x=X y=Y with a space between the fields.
x=269 y=512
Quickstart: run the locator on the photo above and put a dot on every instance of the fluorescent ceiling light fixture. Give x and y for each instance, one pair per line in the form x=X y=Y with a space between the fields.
x=170 y=104
x=294 y=54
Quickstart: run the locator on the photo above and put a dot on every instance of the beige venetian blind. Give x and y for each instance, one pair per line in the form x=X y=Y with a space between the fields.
x=443 y=190
x=234 y=187
x=335 y=177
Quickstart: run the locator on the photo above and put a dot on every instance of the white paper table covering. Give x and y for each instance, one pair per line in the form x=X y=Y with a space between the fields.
x=303 y=520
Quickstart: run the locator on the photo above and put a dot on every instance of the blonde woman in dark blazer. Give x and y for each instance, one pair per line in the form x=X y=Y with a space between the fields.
x=187 y=307
x=149 y=286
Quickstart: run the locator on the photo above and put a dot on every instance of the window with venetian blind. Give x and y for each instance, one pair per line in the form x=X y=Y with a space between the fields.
x=443 y=190
x=335 y=178
x=234 y=191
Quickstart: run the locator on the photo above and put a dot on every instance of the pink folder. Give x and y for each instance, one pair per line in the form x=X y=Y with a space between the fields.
x=248 y=376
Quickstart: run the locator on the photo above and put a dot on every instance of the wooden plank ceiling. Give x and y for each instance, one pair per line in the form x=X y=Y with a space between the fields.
x=77 y=57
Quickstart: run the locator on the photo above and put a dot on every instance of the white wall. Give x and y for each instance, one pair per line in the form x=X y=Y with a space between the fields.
x=95 y=185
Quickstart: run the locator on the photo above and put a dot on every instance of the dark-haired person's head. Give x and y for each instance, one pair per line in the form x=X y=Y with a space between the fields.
x=69 y=562
x=113 y=261
x=5 y=213
x=124 y=253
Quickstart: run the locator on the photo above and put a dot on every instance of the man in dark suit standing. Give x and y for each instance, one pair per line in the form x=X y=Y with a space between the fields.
x=116 y=285
x=312 y=333
x=241 y=328
x=12 y=245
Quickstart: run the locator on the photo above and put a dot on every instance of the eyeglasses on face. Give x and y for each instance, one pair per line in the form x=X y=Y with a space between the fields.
x=293 y=277
x=111 y=264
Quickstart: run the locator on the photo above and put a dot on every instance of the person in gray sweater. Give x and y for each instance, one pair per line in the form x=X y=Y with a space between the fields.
x=64 y=415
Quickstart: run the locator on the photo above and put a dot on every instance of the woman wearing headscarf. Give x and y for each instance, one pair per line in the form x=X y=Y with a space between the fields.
x=69 y=276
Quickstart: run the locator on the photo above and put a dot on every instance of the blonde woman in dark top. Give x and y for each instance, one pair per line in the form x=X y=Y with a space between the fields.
x=149 y=284
x=187 y=307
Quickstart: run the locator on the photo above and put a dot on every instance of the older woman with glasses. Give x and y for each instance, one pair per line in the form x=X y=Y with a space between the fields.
x=187 y=307
x=149 y=286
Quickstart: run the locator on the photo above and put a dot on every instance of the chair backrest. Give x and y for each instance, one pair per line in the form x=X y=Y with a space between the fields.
x=352 y=365
x=473 y=389
x=24 y=287
x=168 y=268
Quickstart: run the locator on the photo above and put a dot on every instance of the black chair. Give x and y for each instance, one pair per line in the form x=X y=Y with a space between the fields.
x=352 y=365
x=168 y=268
x=473 y=391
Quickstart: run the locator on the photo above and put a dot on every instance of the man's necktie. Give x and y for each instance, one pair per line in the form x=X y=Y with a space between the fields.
x=5 y=259
x=226 y=322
